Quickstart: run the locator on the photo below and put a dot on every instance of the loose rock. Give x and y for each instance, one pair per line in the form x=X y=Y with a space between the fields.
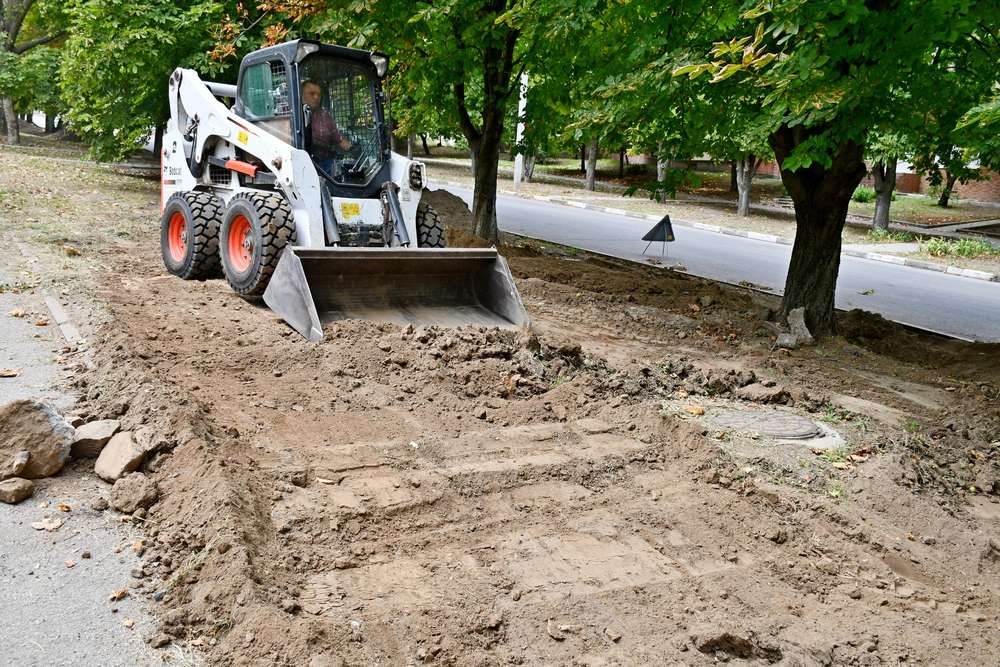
x=15 y=489
x=36 y=428
x=133 y=492
x=121 y=456
x=92 y=437
x=787 y=341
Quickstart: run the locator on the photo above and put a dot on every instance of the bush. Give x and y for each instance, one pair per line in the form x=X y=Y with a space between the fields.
x=863 y=195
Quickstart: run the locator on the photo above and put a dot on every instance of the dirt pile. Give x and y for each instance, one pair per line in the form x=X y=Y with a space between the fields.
x=404 y=495
x=477 y=496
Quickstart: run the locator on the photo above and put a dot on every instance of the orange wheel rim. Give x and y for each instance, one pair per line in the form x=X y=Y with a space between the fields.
x=240 y=243
x=177 y=237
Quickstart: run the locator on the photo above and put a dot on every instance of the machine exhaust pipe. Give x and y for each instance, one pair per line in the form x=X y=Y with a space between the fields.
x=444 y=287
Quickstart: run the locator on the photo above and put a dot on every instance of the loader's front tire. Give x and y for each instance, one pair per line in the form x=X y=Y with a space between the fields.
x=189 y=235
x=255 y=230
x=430 y=229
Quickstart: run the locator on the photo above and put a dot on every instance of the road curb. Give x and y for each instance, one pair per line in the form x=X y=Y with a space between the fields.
x=56 y=310
x=757 y=236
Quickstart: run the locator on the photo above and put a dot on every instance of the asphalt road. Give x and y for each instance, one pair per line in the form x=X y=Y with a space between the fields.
x=953 y=305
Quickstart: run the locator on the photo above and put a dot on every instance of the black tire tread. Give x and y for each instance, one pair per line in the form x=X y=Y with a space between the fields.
x=277 y=231
x=206 y=218
x=430 y=229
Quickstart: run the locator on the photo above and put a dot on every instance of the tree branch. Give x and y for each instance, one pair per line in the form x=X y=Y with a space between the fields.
x=15 y=23
x=21 y=48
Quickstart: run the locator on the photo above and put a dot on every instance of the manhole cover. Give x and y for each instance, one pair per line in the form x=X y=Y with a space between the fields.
x=778 y=425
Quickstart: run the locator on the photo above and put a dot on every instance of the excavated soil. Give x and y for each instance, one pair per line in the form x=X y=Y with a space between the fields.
x=398 y=495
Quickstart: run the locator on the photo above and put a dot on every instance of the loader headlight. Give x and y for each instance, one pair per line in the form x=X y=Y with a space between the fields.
x=416 y=176
x=381 y=64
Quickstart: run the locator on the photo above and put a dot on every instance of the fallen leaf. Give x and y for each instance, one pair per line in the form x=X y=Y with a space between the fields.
x=128 y=623
x=120 y=594
x=48 y=524
x=694 y=307
x=694 y=409
x=42 y=322
x=840 y=465
x=70 y=562
x=139 y=546
x=9 y=372
x=858 y=458
x=64 y=507
x=18 y=312
x=71 y=251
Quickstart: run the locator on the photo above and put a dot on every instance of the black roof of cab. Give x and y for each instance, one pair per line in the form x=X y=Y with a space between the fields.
x=289 y=50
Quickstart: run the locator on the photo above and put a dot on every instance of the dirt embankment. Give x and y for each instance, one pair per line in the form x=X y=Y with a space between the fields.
x=400 y=495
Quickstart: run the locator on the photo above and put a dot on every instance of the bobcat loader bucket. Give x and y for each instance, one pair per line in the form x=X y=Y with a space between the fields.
x=446 y=287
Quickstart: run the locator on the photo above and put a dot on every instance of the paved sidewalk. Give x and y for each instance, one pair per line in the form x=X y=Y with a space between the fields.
x=50 y=613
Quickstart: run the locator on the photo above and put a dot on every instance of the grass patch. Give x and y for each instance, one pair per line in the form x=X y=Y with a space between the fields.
x=969 y=248
x=889 y=236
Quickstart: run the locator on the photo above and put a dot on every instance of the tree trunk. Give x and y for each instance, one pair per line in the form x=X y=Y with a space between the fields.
x=621 y=164
x=592 y=165
x=746 y=169
x=733 y=184
x=423 y=140
x=410 y=140
x=821 y=197
x=884 y=175
x=529 y=167
x=50 y=123
x=484 y=200
x=13 y=130
x=949 y=185
x=583 y=158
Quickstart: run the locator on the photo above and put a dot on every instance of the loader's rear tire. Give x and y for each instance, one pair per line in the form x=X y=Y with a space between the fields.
x=430 y=229
x=255 y=230
x=189 y=235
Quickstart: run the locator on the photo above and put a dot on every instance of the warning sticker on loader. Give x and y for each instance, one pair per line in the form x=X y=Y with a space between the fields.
x=350 y=210
x=242 y=137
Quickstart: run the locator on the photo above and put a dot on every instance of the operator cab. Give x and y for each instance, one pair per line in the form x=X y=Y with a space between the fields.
x=326 y=100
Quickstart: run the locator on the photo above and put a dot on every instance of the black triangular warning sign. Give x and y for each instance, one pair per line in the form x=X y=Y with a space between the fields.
x=661 y=232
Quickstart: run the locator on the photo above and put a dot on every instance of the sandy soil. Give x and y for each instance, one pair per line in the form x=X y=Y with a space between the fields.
x=577 y=494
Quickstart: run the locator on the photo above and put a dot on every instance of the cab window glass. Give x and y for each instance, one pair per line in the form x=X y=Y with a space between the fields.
x=264 y=92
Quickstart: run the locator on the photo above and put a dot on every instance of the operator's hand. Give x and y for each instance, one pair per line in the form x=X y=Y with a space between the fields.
x=345 y=144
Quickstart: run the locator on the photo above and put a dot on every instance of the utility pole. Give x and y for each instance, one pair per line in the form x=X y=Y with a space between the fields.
x=522 y=103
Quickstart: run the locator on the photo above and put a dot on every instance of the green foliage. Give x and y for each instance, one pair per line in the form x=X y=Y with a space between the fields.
x=887 y=236
x=117 y=61
x=863 y=194
x=673 y=180
x=970 y=248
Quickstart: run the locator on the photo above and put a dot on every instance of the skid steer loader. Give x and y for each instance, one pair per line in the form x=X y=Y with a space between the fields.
x=294 y=194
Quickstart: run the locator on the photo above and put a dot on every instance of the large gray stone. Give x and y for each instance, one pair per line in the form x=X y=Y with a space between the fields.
x=34 y=427
x=119 y=457
x=92 y=437
x=132 y=492
x=15 y=489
